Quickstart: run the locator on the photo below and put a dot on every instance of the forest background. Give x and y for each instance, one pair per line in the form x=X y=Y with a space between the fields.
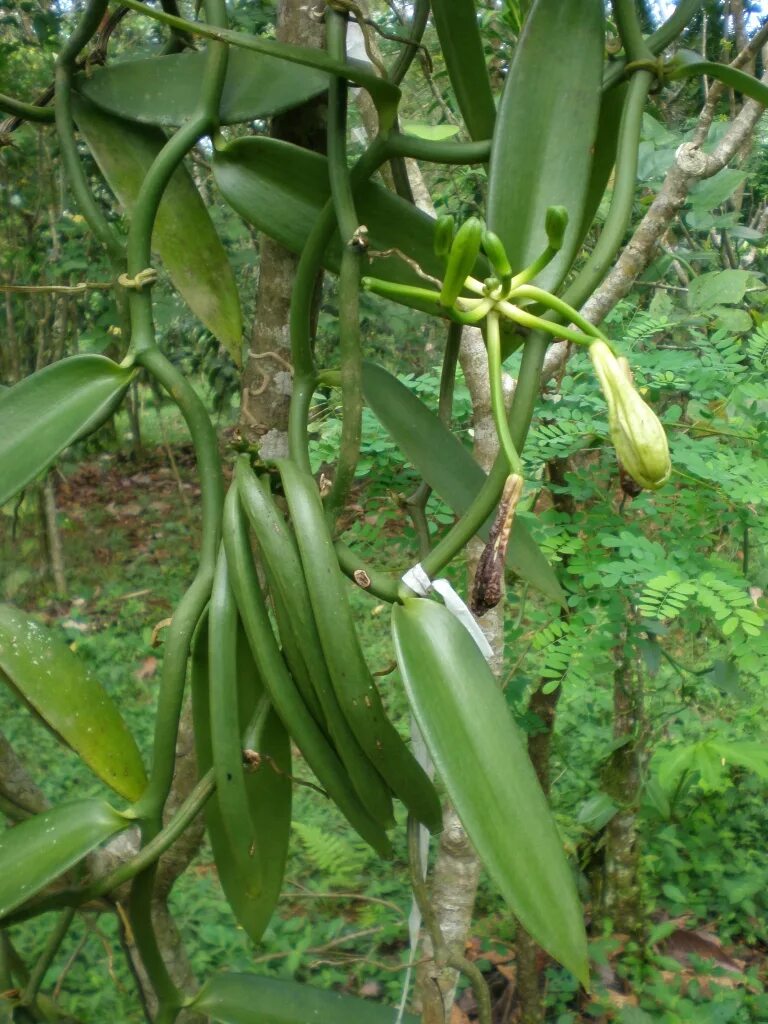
x=643 y=701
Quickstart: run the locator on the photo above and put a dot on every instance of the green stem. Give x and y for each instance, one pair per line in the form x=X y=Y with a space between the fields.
x=409 y=50
x=498 y=409
x=193 y=602
x=6 y=977
x=178 y=642
x=44 y=961
x=349 y=277
x=383 y=585
x=559 y=306
x=535 y=268
x=177 y=41
x=425 y=299
x=203 y=122
x=309 y=266
x=520 y=316
x=622 y=201
x=139 y=250
x=417 y=502
x=519 y=420
x=658 y=40
x=438 y=152
x=630 y=30
x=85 y=29
x=448 y=373
x=13 y=960
x=351 y=385
x=29 y=111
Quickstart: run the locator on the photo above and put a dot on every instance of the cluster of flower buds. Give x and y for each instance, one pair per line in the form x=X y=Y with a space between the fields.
x=637 y=434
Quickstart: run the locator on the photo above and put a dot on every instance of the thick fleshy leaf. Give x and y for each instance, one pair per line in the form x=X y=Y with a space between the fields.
x=385 y=94
x=448 y=468
x=43 y=414
x=164 y=90
x=606 y=145
x=559 y=56
x=281 y=189
x=480 y=754
x=184 y=235
x=43 y=847
x=54 y=682
x=269 y=794
x=250 y=999
x=462 y=46
x=688 y=64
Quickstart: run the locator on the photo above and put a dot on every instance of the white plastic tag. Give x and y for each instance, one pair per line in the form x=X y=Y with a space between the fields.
x=419 y=582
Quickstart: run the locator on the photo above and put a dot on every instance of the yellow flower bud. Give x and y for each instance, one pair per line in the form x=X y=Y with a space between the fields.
x=637 y=434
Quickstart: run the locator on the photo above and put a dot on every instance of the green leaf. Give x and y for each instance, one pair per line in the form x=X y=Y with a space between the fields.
x=734 y=321
x=43 y=414
x=688 y=64
x=634 y=1015
x=604 y=159
x=464 y=53
x=164 y=90
x=384 y=94
x=542 y=146
x=49 y=678
x=481 y=756
x=43 y=847
x=184 y=235
x=281 y=189
x=448 y=468
x=749 y=754
x=711 y=192
x=249 y=999
x=433 y=132
x=268 y=792
x=673 y=764
x=595 y=813
x=717 y=287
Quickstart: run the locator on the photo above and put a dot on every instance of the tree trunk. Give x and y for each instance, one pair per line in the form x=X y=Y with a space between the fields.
x=621 y=893
x=53 y=546
x=266 y=382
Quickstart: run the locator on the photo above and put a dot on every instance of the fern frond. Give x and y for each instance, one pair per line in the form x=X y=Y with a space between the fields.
x=665 y=596
x=334 y=855
x=730 y=605
x=644 y=325
x=757 y=347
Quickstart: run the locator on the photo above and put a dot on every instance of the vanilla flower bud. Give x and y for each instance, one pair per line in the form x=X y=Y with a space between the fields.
x=637 y=434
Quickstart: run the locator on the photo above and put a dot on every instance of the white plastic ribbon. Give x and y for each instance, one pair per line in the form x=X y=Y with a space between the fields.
x=419 y=582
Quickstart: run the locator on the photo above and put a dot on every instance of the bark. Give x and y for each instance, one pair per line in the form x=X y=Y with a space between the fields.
x=21 y=796
x=54 y=547
x=133 y=408
x=266 y=383
x=622 y=781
